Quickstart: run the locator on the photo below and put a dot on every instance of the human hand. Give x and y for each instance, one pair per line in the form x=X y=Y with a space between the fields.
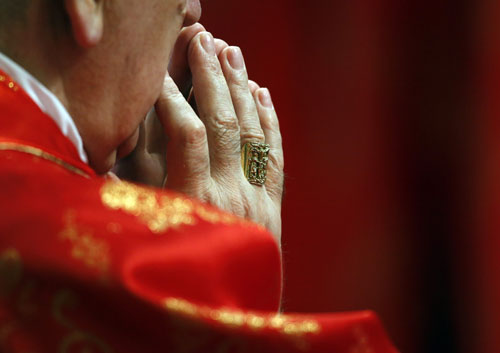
x=203 y=152
x=147 y=163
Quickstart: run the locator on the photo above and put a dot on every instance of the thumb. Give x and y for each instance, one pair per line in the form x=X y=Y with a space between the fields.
x=187 y=153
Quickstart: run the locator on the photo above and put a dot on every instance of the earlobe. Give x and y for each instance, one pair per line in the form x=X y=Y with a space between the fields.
x=86 y=17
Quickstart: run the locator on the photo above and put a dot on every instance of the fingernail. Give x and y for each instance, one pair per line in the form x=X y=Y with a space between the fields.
x=265 y=98
x=207 y=42
x=235 y=58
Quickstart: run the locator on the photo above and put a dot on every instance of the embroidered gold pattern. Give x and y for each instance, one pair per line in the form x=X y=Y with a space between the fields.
x=11 y=84
x=10 y=146
x=92 y=251
x=212 y=216
x=161 y=212
x=158 y=212
x=181 y=306
x=256 y=322
x=285 y=324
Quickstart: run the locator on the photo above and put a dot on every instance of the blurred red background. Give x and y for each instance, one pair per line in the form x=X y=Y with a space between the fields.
x=389 y=113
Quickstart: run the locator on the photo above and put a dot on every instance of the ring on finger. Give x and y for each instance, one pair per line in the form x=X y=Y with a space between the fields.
x=254 y=159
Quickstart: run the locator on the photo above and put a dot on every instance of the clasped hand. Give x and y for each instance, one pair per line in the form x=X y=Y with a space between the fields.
x=191 y=143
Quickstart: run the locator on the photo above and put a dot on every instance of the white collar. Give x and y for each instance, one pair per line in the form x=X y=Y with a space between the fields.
x=46 y=101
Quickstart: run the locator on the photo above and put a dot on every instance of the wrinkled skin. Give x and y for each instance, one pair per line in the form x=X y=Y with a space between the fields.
x=202 y=154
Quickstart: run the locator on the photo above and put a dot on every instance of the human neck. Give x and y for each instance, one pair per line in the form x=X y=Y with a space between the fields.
x=30 y=44
x=50 y=54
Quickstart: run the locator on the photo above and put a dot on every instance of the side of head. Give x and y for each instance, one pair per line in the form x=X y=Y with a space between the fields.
x=104 y=59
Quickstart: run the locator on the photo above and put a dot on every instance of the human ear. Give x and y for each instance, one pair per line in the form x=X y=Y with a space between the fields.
x=86 y=17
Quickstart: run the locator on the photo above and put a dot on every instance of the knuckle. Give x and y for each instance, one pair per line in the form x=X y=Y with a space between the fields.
x=226 y=143
x=252 y=134
x=225 y=121
x=194 y=134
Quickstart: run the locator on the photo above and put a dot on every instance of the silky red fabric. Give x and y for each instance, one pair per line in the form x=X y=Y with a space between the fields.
x=390 y=117
x=87 y=263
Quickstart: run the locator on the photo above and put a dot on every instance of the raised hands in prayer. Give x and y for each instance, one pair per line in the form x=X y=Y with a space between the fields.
x=192 y=141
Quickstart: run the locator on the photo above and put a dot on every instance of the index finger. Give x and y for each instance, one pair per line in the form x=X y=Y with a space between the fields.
x=178 y=67
x=214 y=104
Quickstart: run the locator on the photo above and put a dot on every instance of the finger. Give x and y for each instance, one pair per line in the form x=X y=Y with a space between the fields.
x=187 y=152
x=253 y=86
x=141 y=141
x=178 y=67
x=214 y=104
x=155 y=134
x=233 y=66
x=220 y=45
x=270 y=126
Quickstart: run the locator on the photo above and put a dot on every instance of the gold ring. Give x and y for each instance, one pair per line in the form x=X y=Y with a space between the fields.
x=254 y=158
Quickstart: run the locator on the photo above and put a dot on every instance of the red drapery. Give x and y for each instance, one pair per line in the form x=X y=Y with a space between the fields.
x=390 y=116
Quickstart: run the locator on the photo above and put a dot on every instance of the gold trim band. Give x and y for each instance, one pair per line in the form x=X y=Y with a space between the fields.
x=11 y=146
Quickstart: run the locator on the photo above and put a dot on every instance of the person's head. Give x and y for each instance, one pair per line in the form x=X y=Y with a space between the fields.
x=104 y=59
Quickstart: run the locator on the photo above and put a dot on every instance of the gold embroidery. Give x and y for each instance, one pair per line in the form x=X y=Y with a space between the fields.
x=10 y=146
x=277 y=321
x=65 y=299
x=161 y=212
x=282 y=323
x=92 y=251
x=11 y=84
x=181 y=306
x=158 y=212
x=11 y=270
x=256 y=322
x=297 y=328
x=229 y=317
x=212 y=216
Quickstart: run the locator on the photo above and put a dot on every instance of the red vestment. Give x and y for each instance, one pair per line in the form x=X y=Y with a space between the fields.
x=88 y=264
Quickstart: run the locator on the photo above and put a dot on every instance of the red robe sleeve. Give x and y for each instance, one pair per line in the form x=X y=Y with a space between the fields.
x=89 y=265
x=120 y=268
